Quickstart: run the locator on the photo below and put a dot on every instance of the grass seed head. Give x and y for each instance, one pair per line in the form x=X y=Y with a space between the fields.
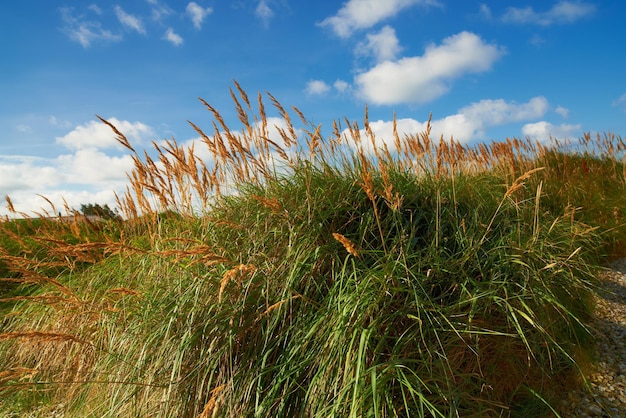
x=347 y=244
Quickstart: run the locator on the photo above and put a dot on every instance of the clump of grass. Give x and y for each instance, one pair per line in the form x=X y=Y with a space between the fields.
x=295 y=275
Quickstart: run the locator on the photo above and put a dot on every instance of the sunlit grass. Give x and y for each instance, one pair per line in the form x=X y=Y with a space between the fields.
x=295 y=275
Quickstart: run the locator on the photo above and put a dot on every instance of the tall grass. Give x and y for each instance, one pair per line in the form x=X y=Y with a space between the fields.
x=295 y=275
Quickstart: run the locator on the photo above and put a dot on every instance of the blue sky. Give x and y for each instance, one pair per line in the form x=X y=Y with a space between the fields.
x=486 y=70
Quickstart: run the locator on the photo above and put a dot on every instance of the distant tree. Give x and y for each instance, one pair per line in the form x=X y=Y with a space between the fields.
x=105 y=212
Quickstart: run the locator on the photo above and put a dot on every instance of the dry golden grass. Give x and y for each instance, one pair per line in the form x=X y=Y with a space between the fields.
x=347 y=244
x=179 y=180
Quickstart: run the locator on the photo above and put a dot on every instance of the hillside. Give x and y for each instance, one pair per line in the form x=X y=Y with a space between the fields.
x=290 y=274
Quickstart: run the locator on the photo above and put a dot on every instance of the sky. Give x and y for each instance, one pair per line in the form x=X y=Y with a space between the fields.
x=486 y=70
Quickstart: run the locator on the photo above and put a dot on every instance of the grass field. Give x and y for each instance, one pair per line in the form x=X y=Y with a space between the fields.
x=295 y=275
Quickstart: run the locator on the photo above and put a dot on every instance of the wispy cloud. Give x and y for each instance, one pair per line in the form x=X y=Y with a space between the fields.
x=159 y=10
x=85 y=31
x=173 y=37
x=363 y=14
x=129 y=21
x=54 y=121
x=23 y=128
x=341 y=86
x=197 y=13
x=424 y=78
x=620 y=102
x=94 y=8
x=264 y=12
x=562 y=12
x=485 y=12
x=564 y=112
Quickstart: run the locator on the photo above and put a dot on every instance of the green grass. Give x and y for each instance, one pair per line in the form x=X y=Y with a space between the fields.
x=434 y=280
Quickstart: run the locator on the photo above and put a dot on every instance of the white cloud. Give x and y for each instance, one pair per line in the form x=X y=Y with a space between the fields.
x=363 y=14
x=341 y=86
x=30 y=203
x=85 y=32
x=499 y=112
x=95 y=134
x=543 y=131
x=316 y=87
x=159 y=10
x=130 y=21
x=485 y=11
x=468 y=124
x=561 y=12
x=54 y=121
x=173 y=37
x=23 y=173
x=23 y=128
x=264 y=12
x=422 y=79
x=88 y=173
x=562 y=111
x=197 y=13
x=384 y=45
x=93 y=167
x=94 y=8
x=536 y=41
x=88 y=176
x=620 y=102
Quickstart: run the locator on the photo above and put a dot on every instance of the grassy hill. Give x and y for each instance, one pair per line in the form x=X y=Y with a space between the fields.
x=295 y=275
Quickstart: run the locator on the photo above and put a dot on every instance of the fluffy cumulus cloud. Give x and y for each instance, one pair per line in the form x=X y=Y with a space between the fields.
x=91 y=170
x=21 y=172
x=173 y=37
x=197 y=13
x=316 y=87
x=471 y=122
x=468 y=124
x=543 y=131
x=383 y=45
x=363 y=14
x=561 y=12
x=87 y=176
x=487 y=113
x=94 y=167
x=95 y=134
x=37 y=204
x=129 y=21
x=320 y=87
x=424 y=78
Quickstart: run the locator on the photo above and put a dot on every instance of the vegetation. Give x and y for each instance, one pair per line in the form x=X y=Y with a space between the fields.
x=101 y=211
x=295 y=275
